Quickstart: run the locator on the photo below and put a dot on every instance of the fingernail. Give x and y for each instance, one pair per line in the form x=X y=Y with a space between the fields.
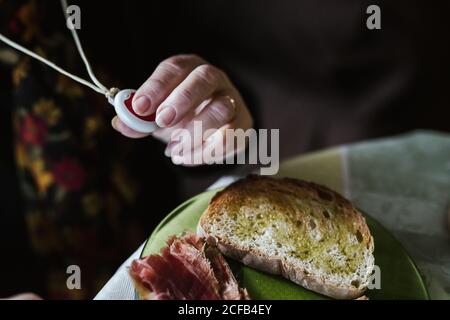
x=165 y=117
x=141 y=105
x=114 y=123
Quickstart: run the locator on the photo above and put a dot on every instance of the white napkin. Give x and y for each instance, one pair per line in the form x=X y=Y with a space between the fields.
x=120 y=286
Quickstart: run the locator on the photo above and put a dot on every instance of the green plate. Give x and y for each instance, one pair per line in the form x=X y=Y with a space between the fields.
x=400 y=278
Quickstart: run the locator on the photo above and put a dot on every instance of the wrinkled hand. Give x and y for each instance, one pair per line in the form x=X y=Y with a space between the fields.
x=184 y=89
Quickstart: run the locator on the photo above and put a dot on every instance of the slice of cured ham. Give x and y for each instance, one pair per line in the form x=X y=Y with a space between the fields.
x=186 y=269
x=228 y=286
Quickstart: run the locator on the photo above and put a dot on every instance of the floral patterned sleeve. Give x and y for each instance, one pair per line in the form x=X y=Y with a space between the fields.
x=80 y=204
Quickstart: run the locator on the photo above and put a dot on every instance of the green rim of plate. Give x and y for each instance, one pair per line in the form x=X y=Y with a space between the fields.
x=400 y=277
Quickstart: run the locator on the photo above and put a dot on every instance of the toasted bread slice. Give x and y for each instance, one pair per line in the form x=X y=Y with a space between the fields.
x=300 y=230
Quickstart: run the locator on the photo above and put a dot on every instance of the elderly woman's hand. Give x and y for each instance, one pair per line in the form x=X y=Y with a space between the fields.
x=184 y=89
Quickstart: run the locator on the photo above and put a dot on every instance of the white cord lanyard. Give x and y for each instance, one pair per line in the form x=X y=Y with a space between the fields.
x=120 y=99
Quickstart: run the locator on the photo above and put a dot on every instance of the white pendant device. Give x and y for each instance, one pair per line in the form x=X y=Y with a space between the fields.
x=122 y=102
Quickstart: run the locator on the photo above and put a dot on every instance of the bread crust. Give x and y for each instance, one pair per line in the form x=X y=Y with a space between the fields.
x=247 y=187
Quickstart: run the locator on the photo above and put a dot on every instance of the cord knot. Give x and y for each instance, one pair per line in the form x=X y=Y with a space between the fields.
x=111 y=93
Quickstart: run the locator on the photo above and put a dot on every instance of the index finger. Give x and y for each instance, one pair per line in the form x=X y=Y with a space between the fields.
x=166 y=77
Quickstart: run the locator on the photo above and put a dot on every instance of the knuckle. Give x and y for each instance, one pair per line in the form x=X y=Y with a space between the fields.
x=158 y=85
x=194 y=57
x=208 y=73
x=185 y=97
x=180 y=62
x=155 y=85
x=160 y=82
x=220 y=112
x=173 y=65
